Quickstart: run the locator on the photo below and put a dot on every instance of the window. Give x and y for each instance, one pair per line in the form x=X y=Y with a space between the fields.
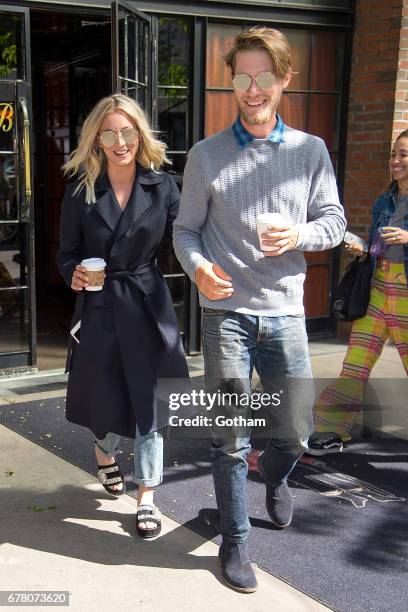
x=311 y=102
x=11 y=47
x=173 y=88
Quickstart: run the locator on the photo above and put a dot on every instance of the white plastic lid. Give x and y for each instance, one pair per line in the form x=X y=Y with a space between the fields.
x=268 y=217
x=93 y=263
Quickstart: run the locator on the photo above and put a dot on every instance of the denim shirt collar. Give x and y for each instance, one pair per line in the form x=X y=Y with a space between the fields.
x=244 y=138
x=391 y=198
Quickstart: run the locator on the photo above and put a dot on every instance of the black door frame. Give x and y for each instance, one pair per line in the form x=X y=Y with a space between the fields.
x=23 y=359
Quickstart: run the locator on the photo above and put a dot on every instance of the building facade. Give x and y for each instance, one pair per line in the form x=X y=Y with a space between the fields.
x=57 y=58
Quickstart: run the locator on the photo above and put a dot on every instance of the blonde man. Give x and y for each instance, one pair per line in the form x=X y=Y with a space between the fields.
x=253 y=299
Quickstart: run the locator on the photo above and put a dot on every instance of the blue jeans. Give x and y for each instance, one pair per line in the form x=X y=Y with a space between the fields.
x=233 y=344
x=148 y=455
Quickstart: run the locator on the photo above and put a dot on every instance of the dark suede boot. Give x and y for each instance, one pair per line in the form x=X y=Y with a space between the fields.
x=237 y=571
x=279 y=504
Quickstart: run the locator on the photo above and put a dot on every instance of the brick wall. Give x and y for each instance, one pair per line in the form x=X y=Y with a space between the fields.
x=378 y=107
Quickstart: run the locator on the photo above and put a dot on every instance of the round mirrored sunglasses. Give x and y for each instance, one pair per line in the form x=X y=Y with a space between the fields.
x=264 y=80
x=109 y=137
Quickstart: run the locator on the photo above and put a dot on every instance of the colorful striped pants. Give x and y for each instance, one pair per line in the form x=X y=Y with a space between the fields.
x=387 y=317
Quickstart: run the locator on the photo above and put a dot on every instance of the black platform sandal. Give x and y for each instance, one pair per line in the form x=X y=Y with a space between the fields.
x=109 y=475
x=148 y=513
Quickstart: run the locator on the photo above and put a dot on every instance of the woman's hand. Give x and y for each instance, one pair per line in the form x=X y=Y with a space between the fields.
x=353 y=248
x=394 y=235
x=79 y=279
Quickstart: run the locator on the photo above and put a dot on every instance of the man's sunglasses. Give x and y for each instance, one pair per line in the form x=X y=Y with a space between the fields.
x=264 y=80
x=109 y=137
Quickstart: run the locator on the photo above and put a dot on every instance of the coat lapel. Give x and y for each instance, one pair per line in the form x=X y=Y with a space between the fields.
x=104 y=205
x=139 y=201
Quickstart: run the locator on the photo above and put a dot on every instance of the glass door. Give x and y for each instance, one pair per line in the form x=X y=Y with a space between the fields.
x=17 y=298
x=132 y=55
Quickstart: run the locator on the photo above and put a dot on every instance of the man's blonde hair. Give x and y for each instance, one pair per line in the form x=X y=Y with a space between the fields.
x=88 y=159
x=270 y=40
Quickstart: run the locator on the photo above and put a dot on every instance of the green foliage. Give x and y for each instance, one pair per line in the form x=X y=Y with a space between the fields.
x=173 y=73
x=8 y=53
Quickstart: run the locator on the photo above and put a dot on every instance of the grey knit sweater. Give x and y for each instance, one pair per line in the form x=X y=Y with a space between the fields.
x=225 y=187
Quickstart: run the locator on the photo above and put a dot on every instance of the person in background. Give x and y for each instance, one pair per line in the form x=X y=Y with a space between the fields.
x=339 y=404
x=253 y=314
x=121 y=208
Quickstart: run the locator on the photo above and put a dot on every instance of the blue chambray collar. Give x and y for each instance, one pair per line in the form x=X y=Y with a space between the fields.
x=244 y=138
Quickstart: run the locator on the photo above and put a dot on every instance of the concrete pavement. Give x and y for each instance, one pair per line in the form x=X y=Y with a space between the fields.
x=60 y=531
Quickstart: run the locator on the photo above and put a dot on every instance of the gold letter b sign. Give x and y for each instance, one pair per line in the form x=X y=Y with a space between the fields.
x=6 y=116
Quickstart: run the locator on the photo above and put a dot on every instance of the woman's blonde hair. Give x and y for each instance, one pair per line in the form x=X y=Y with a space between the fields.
x=88 y=160
x=274 y=42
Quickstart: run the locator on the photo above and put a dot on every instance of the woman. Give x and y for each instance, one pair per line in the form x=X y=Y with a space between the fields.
x=387 y=314
x=121 y=208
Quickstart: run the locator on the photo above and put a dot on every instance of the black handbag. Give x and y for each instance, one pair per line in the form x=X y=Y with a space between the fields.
x=352 y=294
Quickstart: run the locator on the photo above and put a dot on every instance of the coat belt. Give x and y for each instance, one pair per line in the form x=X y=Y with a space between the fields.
x=111 y=275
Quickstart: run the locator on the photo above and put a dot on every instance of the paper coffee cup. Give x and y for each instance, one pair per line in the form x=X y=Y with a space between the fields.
x=266 y=220
x=95 y=269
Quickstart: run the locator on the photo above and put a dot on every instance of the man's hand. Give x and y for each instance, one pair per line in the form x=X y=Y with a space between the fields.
x=213 y=282
x=283 y=239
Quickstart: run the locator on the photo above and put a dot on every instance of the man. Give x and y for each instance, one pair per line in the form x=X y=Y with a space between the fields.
x=253 y=300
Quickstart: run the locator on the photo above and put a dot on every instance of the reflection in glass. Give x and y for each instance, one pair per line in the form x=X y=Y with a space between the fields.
x=13 y=254
x=221 y=110
x=178 y=163
x=172 y=118
x=300 y=44
x=293 y=110
x=219 y=38
x=14 y=320
x=173 y=56
x=323 y=120
x=327 y=61
x=11 y=47
x=173 y=51
x=8 y=197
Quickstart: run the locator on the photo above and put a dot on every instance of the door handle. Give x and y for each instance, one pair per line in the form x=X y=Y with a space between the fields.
x=27 y=158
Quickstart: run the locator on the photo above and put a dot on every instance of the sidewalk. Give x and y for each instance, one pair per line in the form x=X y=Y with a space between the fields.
x=61 y=532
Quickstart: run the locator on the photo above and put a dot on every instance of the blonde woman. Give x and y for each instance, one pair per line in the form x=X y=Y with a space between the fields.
x=120 y=208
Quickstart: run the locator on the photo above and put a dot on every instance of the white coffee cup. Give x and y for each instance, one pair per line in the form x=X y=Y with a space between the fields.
x=95 y=268
x=266 y=220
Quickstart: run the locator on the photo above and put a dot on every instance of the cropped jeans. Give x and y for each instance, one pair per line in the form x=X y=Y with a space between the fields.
x=148 y=455
x=277 y=347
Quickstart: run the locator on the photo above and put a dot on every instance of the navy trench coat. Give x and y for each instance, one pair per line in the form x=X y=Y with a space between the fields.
x=129 y=336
